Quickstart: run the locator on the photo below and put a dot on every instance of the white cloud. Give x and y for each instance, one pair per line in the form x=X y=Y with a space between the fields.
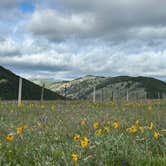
x=69 y=38
x=8 y=48
x=58 y=26
x=98 y=59
x=111 y=20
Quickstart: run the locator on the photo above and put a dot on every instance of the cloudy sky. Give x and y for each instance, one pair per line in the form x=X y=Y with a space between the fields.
x=66 y=39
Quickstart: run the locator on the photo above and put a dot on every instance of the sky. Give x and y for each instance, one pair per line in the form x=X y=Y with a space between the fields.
x=67 y=39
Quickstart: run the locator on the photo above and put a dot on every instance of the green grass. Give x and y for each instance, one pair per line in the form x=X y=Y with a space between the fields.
x=47 y=138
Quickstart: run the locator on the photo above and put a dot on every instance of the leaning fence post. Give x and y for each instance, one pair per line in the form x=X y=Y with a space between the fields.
x=65 y=95
x=127 y=95
x=102 y=99
x=42 y=93
x=20 y=91
x=94 y=94
x=158 y=95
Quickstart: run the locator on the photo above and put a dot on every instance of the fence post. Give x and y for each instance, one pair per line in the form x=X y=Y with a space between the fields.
x=112 y=96
x=42 y=93
x=102 y=95
x=65 y=95
x=94 y=94
x=158 y=95
x=127 y=95
x=20 y=91
x=145 y=95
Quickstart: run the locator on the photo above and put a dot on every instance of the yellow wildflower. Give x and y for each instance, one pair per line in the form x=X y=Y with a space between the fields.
x=10 y=137
x=95 y=125
x=133 y=129
x=108 y=123
x=137 y=122
x=76 y=137
x=74 y=157
x=156 y=135
x=99 y=132
x=25 y=126
x=84 y=142
x=151 y=126
x=107 y=128
x=86 y=139
x=52 y=108
x=141 y=129
x=42 y=106
x=115 y=125
x=150 y=108
x=19 y=130
x=39 y=124
x=82 y=123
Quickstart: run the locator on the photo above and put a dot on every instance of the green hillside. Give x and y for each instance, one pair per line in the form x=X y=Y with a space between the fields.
x=9 y=88
x=111 y=88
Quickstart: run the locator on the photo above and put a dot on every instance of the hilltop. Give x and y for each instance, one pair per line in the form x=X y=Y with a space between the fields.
x=111 y=88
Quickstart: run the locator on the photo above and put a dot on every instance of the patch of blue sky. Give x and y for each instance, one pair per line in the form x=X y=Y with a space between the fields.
x=27 y=7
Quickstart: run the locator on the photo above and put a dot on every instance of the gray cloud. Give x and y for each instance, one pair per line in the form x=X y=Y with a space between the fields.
x=8 y=48
x=9 y=3
x=68 y=60
x=65 y=39
x=105 y=19
x=57 y=26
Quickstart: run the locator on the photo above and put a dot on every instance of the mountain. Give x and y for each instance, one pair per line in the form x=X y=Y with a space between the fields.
x=9 y=88
x=111 y=88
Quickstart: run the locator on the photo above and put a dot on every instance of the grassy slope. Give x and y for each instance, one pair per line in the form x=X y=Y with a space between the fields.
x=48 y=137
x=82 y=88
x=9 y=88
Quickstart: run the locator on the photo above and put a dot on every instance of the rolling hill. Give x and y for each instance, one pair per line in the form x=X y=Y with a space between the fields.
x=9 y=88
x=111 y=88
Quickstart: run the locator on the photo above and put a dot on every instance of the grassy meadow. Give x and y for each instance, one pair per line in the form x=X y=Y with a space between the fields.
x=83 y=134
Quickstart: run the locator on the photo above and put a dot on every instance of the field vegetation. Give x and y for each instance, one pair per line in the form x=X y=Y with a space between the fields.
x=83 y=133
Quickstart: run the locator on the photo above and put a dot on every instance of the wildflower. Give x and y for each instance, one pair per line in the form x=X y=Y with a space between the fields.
x=82 y=123
x=108 y=123
x=10 y=137
x=39 y=124
x=74 y=157
x=84 y=142
x=86 y=139
x=52 y=107
x=115 y=125
x=25 y=126
x=151 y=126
x=19 y=130
x=42 y=106
x=99 y=132
x=137 y=122
x=150 y=108
x=156 y=135
x=141 y=129
x=95 y=125
x=107 y=128
x=76 y=137
x=133 y=129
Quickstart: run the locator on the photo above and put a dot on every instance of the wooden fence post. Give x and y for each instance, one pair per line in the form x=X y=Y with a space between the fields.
x=102 y=99
x=20 y=91
x=42 y=93
x=94 y=94
x=127 y=95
